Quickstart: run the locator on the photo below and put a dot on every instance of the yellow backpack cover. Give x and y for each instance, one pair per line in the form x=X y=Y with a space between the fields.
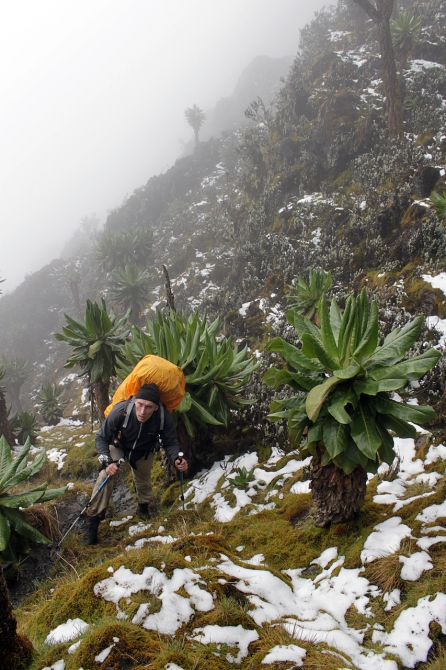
x=152 y=369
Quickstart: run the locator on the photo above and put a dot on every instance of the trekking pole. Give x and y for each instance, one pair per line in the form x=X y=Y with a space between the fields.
x=119 y=463
x=180 y=458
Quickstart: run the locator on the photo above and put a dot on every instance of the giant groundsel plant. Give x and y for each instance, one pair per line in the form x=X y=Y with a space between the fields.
x=345 y=412
x=214 y=368
x=14 y=528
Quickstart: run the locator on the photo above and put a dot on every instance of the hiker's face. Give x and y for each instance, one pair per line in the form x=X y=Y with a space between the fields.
x=144 y=409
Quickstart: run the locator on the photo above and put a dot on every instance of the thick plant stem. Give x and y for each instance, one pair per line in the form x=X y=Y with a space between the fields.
x=100 y=390
x=16 y=649
x=380 y=15
x=338 y=497
x=4 y=423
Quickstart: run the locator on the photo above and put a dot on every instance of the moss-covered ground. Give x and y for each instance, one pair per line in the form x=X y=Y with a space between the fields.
x=284 y=536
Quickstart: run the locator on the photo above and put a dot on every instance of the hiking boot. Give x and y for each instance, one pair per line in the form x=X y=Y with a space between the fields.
x=91 y=532
x=143 y=510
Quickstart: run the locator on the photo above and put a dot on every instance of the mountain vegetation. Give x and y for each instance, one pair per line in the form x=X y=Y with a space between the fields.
x=306 y=249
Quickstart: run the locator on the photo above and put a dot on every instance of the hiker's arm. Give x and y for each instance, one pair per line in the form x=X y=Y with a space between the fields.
x=104 y=436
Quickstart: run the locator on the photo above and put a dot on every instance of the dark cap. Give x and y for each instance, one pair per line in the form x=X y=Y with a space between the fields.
x=149 y=392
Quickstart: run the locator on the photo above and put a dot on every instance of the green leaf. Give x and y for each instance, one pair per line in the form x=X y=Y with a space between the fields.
x=417 y=366
x=349 y=459
x=386 y=452
x=172 y=350
x=295 y=402
x=336 y=436
x=52 y=494
x=398 y=426
x=14 y=466
x=27 y=472
x=203 y=413
x=337 y=407
x=278 y=416
x=317 y=397
x=345 y=463
x=303 y=325
x=315 y=432
x=311 y=347
x=369 y=340
x=94 y=348
x=345 y=332
x=5 y=455
x=349 y=372
x=189 y=425
x=393 y=381
x=366 y=386
x=185 y=404
x=327 y=334
x=363 y=430
x=394 y=348
x=292 y=355
x=413 y=413
x=5 y=532
x=204 y=379
x=274 y=377
x=21 y=526
x=335 y=320
x=297 y=423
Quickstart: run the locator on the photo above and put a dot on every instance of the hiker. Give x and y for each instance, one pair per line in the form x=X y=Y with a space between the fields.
x=132 y=430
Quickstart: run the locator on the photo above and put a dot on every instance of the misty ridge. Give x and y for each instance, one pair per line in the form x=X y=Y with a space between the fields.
x=262 y=78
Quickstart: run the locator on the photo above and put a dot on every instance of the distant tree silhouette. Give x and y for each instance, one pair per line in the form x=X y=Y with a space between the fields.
x=380 y=12
x=405 y=30
x=195 y=118
x=5 y=428
x=17 y=371
x=130 y=288
x=130 y=246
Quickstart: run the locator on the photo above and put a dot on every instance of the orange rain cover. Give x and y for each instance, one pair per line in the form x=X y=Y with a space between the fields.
x=168 y=377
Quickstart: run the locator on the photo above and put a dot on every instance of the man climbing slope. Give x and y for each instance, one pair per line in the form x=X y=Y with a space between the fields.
x=132 y=430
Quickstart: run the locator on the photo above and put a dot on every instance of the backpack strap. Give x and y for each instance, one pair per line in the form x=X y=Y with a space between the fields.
x=127 y=410
x=161 y=426
x=124 y=418
x=161 y=416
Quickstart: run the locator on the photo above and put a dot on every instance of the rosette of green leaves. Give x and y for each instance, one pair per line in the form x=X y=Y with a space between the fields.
x=304 y=297
x=24 y=426
x=14 y=527
x=345 y=382
x=214 y=368
x=97 y=343
x=439 y=202
x=49 y=399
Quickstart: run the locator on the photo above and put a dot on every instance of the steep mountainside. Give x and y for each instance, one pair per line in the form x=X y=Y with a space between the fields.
x=316 y=183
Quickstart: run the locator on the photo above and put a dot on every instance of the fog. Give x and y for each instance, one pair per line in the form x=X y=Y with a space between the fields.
x=92 y=101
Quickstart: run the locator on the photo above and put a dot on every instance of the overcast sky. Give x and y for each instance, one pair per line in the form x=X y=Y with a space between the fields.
x=92 y=100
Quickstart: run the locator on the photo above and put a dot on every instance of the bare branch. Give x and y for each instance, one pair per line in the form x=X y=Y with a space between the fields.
x=369 y=9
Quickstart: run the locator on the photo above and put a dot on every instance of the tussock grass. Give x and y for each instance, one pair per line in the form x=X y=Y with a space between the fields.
x=70 y=601
x=385 y=573
x=319 y=656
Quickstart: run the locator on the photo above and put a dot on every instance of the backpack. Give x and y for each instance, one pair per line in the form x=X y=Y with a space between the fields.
x=152 y=369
